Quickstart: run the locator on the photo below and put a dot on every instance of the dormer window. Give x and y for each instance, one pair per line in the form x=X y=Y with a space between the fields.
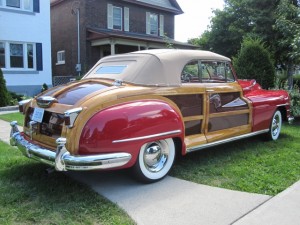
x=117 y=18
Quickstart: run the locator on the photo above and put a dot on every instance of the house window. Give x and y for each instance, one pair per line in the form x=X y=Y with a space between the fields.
x=60 y=57
x=30 y=56
x=16 y=56
x=154 y=24
x=2 y=55
x=117 y=18
x=26 y=5
x=13 y=3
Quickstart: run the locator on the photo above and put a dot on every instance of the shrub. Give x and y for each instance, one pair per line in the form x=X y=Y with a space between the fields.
x=295 y=100
x=44 y=87
x=296 y=78
x=294 y=96
x=4 y=95
x=15 y=98
x=254 y=62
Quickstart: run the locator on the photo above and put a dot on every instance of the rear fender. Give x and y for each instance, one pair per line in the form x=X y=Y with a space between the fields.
x=126 y=127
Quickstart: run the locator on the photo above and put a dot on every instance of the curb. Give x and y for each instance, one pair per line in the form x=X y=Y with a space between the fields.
x=9 y=108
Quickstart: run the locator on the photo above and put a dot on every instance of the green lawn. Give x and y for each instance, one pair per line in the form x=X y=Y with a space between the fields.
x=29 y=196
x=250 y=165
x=13 y=116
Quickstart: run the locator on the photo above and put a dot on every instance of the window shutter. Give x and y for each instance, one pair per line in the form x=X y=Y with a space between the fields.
x=161 y=25
x=147 y=22
x=109 y=16
x=126 y=19
x=36 y=6
x=39 y=57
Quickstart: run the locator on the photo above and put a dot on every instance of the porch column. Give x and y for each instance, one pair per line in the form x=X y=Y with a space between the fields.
x=112 y=47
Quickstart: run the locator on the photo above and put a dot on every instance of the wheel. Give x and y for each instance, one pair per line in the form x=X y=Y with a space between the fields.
x=275 y=126
x=155 y=160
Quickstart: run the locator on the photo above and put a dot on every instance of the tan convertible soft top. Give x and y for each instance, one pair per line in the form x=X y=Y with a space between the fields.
x=159 y=67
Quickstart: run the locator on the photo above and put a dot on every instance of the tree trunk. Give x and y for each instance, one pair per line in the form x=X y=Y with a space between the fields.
x=290 y=74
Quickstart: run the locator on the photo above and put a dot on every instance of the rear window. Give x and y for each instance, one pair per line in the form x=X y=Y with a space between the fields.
x=111 y=69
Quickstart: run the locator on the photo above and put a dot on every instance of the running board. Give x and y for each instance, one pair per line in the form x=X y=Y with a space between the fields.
x=200 y=147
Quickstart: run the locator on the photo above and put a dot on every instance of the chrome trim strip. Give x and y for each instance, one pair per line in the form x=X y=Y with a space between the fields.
x=200 y=147
x=148 y=136
x=282 y=104
x=235 y=103
x=62 y=160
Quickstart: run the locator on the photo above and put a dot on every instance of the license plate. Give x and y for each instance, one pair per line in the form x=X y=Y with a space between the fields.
x=38 y=114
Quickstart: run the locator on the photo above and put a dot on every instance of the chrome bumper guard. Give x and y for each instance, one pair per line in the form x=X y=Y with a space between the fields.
x=62 y=160
x=291 y=119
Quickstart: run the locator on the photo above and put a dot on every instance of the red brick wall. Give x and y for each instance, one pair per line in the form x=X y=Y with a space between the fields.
x=93 y=13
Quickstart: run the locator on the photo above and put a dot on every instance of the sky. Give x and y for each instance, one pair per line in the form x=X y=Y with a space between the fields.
x=195 y=19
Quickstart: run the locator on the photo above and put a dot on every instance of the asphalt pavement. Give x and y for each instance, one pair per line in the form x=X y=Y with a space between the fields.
x=174 y=201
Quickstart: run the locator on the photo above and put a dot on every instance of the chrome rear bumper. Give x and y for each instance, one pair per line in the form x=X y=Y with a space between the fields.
x=62 y=160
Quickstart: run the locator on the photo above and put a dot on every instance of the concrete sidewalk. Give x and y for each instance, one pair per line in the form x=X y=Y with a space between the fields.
x=173 y=201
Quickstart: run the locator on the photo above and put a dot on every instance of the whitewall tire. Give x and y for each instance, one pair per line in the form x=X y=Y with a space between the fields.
x=275 y=126
x=155 y=160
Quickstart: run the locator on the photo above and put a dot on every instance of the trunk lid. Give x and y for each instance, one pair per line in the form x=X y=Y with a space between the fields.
x=45 y=115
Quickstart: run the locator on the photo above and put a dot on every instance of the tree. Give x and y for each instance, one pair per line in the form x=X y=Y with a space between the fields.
x=4 y=95
x=288 y=26
x=238 y=19
x=254 y=62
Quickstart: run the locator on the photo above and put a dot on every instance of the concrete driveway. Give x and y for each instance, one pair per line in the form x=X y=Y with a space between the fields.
x=171 y=201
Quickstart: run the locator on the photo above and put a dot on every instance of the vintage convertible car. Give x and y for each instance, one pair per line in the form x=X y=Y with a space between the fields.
x=138 y=110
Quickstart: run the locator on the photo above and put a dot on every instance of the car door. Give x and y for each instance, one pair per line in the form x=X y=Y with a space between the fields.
x=227 y=111
x=191 y=102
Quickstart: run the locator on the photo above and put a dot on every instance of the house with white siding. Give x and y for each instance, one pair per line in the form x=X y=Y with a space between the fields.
x=25 y=45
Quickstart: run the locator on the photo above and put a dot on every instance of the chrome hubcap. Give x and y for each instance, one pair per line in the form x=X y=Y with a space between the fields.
x=275 y=125
x=156 y=156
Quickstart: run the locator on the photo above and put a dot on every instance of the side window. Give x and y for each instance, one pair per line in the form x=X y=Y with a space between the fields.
x=216 y=72
x=190 y=73
x=229 y=73
x=207 y=72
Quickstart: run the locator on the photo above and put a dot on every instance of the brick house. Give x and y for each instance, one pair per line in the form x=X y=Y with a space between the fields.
x=108 y=27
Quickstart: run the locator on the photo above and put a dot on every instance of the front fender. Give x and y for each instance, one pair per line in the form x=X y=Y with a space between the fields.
x=127 y=126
